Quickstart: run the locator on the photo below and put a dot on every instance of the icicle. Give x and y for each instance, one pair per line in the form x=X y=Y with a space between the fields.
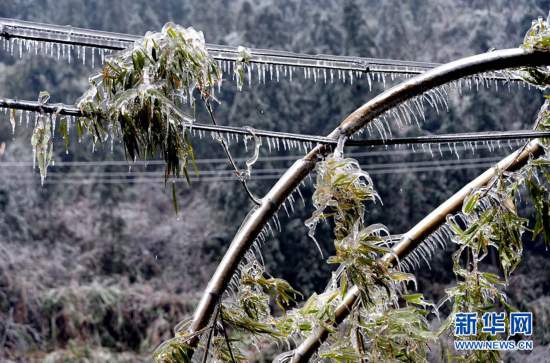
x=397 y=116
x=411 y=112
x=270 y=229
x=277 y=222
x=419 y=108
x=286 y=209
x=442 y=97
x=12 y=120
x=93 y=57
x=301 y=196
x=370 y=81
x=433 y=103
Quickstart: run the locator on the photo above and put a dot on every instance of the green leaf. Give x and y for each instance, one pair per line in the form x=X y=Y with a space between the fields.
x=470 y=203
x=175 y=198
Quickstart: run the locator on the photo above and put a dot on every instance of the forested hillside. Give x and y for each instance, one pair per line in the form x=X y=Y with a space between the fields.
x=104 y=269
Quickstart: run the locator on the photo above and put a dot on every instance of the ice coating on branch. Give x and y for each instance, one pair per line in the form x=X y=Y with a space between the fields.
x=341 y=194
x=537 y=38
x=12 y=120
x=41 y=140
x=341 y=187
x=144 y=94
x=242 y=61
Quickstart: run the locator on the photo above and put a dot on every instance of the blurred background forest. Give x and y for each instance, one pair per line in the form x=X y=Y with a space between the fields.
x=102 y=270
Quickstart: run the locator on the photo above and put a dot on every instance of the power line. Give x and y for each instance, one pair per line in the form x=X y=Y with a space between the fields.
x=73 y=111
x=73 y=36
x=31 y=34
x=369 y=167
x=381 y=168
x=292 y=139
x=454 y=138
x=126 y=163
x=373 y=153
x=161 y=180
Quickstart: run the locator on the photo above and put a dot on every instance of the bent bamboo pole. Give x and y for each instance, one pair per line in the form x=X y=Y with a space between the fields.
x=257 y=219
x=411 y=239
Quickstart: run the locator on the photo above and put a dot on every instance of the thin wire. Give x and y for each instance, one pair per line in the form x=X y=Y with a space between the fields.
x=161 y=180
x=370 y=167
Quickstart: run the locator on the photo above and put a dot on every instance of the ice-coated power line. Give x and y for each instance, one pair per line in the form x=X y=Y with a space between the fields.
x=276 y=158
x=291 y=138
x=73 y=112
x=62 y=41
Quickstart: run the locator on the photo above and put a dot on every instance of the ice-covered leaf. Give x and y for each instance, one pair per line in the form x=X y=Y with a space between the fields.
x=42 y=144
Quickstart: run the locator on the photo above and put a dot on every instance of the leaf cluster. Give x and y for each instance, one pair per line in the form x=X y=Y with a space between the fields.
x=140 y=92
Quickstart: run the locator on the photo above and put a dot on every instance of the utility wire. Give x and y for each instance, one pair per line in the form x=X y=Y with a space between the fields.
x=161 y=180
x=372 y=168
x=265 y=59
x=372 y=153
x=73 y=111
x=219 y=172
x=73 y=36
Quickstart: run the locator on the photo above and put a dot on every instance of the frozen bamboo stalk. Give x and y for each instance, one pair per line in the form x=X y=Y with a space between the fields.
x=257 y=219
x=411 y=239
